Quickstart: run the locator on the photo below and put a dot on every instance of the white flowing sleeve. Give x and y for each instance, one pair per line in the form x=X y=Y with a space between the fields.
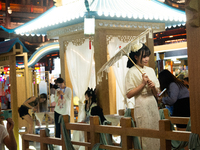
x=129 y=81
x=156 y=82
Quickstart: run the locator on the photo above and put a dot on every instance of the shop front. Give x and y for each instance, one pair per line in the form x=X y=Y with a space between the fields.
x=172 y=57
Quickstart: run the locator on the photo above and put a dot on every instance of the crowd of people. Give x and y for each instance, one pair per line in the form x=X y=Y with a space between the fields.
x=140 y=82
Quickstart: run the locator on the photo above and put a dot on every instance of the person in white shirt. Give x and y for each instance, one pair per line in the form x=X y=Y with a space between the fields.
x=7 y=136
x=63 y=97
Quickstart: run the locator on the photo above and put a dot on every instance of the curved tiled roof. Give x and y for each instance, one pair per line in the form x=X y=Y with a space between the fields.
x=126 y=10
x=6 y=46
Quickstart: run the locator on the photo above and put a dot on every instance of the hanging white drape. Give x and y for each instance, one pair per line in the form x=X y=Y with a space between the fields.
x=92 y=83
x=120 y=71
x=79 y=61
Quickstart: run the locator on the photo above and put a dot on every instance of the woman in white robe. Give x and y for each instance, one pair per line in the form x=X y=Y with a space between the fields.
x=143 y=87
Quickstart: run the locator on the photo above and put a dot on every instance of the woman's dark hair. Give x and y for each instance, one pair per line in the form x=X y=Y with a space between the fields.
x=90 y=93
x=98 y=111
x=186 y=79
x=43 y=95
x=144 y=52
x=165 y=77
x=43 y=106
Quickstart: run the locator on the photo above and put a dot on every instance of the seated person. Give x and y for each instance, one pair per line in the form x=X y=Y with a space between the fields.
x=90 y=102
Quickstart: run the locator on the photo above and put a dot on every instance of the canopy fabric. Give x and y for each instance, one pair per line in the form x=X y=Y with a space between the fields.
x=118 y=55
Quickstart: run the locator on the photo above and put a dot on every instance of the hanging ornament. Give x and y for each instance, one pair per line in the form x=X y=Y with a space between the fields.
x=89 y=44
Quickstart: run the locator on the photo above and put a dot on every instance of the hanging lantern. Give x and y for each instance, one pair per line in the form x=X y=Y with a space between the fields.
x=89 y=26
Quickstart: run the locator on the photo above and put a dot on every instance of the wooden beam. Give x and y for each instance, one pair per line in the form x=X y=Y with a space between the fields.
x=16 y=50
x=4 y=63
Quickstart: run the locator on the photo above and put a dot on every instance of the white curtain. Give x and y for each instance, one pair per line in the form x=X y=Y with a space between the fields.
x=79 y=61
x=120 y=71
x=92 y=83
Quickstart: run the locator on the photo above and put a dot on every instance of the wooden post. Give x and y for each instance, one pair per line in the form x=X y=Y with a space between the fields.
x=43 y=146
x=150 y=45
x=87 y=138
x=46 y=120
x=164 y=125
x=121 y=112
x=132 y=114
x=14 y=102
x=34 y=122
x=100 y=56
x=193 y=44
x=94 y=137
x=30 y=83
x=35 y=85
x=126 y=140
x=26 y=75
x=66 y=121
x=25 y=144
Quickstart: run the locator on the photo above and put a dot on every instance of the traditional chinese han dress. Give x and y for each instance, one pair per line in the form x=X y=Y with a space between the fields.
x=146 y=110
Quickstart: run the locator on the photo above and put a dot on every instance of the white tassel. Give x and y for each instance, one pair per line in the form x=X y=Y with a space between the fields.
x=150 y=34
x=144 y=40
x=138 y=41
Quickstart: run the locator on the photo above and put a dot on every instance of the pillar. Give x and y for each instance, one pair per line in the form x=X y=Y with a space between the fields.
x=161 y=62
x=150 y=45
x=104 y=88
x=13 y=92
x=26 y=75
x=193 y=44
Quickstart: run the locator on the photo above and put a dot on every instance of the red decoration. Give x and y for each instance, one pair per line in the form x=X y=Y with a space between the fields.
x=89 y=44
x=0 y=6
x=31 y=7
x=120 y=47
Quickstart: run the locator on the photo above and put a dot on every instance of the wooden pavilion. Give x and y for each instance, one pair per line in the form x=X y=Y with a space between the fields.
x=9 y=50
x=71 y=29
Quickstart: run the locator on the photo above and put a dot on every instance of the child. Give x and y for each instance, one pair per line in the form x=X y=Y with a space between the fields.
x=7 y=136
x=31 y=103
x=143 y=87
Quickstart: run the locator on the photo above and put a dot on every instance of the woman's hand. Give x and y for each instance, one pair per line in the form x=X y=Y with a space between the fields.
x=34 y=109
x=145 y=78
x=1 y=117
x=60 y=92
x=151 y=84
x=10 y=125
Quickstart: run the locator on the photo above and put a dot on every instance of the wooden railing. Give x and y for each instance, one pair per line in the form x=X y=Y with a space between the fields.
x=93 y=129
